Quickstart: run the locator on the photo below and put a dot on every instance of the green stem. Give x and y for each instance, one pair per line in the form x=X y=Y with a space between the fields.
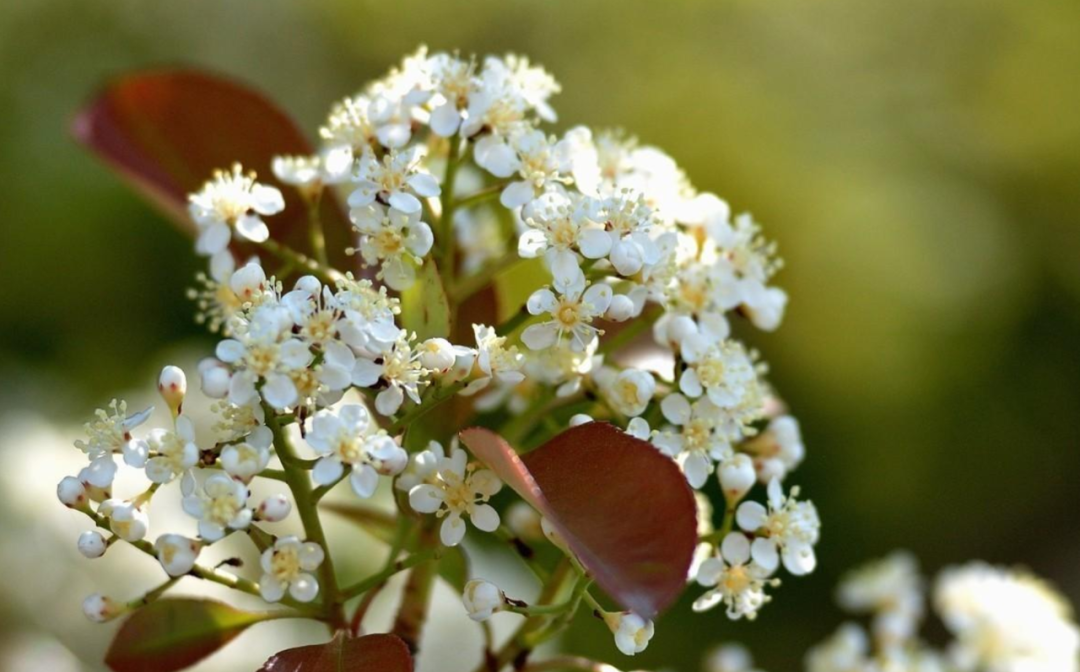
x=302 y=261
x=315 y=231
x=300 y=484
x=446 y=216
x=474 y=283
x=416 y=596
x=486 y=194
x=512 y=324
x=628 y=333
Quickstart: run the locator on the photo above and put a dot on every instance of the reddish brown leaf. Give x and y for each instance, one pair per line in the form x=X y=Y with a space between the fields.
x=624 y=509
x=371 y=653
x=165 y=132
x=172 y=634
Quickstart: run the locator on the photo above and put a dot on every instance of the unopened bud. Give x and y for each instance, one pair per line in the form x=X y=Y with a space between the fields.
x=274 y=508
x=91 y=544
x=482 y=599
x=71 y=492
x=99 y=608
x=737 y=476
x=172 y=384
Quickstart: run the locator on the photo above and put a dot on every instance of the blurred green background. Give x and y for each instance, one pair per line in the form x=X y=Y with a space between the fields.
x=918 y=162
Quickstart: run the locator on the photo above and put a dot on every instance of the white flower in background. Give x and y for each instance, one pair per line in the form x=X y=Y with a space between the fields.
x=454 y=80
x=265 y=350
x=572 y=314
x=176 y=553
x=100 y=608
x=524 y=521
x=787 y=530
x=632 y=632
x=232 y=200
x=494 y=361
x=628 y=391
x=847 y=650
x=777 y=450
x=482 y=599
x=1005 y=621
x=91 y=544
x=458 y=489
x=736 y=580
x=541 y=162
x=220 y=506
x=109 y=434
x=729 y=658
x=399 y=368
x=273 y=509
x=288 y=566
x=890 y=588
x=693 y=439
x=347 y=437
x=172 y=452
x=303 y=172
x=395 y=181
x=743 y=262
x=394 y=239
x=126 y=519
x=246 y=459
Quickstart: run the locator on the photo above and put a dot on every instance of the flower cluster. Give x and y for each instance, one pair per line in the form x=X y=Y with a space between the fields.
x=451 y=180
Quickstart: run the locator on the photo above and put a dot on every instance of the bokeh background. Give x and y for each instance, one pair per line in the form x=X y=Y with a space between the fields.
x=919 y=163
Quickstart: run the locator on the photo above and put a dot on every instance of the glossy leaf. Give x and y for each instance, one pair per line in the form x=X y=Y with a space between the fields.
x=624 y=509
x=166 y=131
x=371 y=653
x=172 y=634
x=424 y=308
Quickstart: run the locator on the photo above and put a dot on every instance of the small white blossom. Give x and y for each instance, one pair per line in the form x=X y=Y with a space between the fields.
x=736 y=581
x=109 y=434
x=71 y=492
x=101 y=609
x=494 y=360
x=482 y=599
x=266 y=350
x=172 y=452
x=220 y=506
x=458 y=489
x=572 y=314
x=787 y=530
x=274 y=508
x=303 y=172
x=176 y=553
x=245 y=459
x=395 y=240
x=694 y=438
x=232 y=200
x=399 y=368
x=126 y=519
x=346 y=437
x=778 y=449
x=288 y=566
x=629 y=391
x=395 y=181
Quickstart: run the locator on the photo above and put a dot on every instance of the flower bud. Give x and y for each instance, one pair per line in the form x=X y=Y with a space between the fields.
x=71 y=492
x=580 y=419
x=172 y=384
x=176 y=553
x=632 y=632
x=215 y=378
x=482 y=599
x=737 y=476
x=437 y=354
x=620 y=309
x=524 y=521
x=91 y=544
x=274 y=508
x=99 y=608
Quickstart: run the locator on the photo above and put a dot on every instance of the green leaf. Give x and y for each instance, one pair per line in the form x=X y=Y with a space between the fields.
x=371 y=653
x=424 y=308
x=171 y=634
x=624 y=509
x=164 y=132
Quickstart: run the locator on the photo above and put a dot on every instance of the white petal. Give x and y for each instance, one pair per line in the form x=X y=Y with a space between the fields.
x=696 y=468
x=599 y=297
x=751 y=516
x=594 y=243
x=271 y=589
x=214 y=239
x=541 y=301
x=764 y=553
x=799 y=559
x=426 y=498
x=689 y=383
x=445 y=120
x=364 y=481
x=485 y=518
x=267 y=200
x=452 y=530
x=424 y=185
x=253 y=228
x=516 y=194
x=327 y=470
x=304 y=588
x=735 y=548
x=389 y=400
x=279 y=391
x=676 y=409
x=404 y=202
x=540 y=336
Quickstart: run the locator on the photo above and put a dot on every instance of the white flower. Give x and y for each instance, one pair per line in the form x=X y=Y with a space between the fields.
x=176 y=553
x=729 y=658
x=629 y=391
x=100 y=608
x=494 y=360
x=126 y=519
x=736 y=581
x=91 y=544
x=846 y=650
x=1006 y=621
x=524 y=521
x=627 y=220
x=787 y=529
x=267 y=350
x=346 y=436
x=395 y=181
x=482 y=599
x=439 y=354
x=458 y=489
x=632 y=632
x=724 y=371
x=559 y=229
x=299 y=171
x=778 y=449
x=220 y=506
x=273 y=509
x=396 y=239
x=173 y=452
x=246 y=459
x=214 y=378
x=399 y=368
x=540 y=162
x=288 y=565
x=109 y=434
x=172 y=385
x=232 y=200
x=572 y=314
x=694 y=440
